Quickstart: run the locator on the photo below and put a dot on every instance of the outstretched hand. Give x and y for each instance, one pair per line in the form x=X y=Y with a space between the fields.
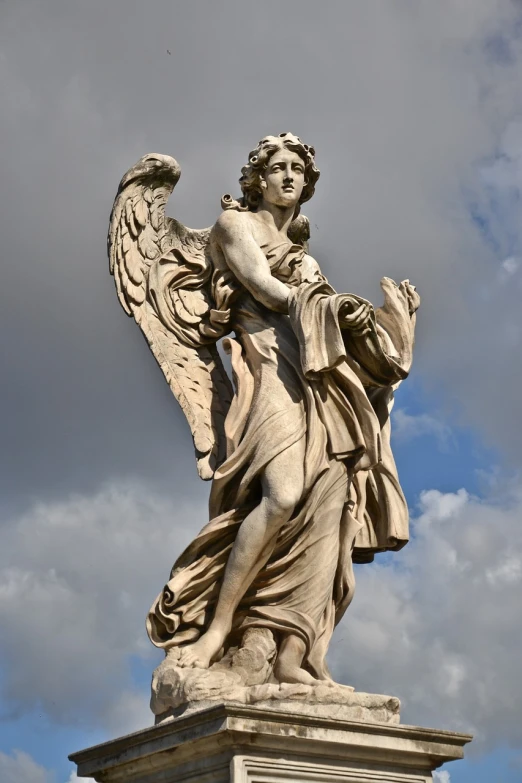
x=412 y=296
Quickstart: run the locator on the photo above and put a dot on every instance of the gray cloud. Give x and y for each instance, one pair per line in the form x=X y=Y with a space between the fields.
x=77 y=578
x=406 y=105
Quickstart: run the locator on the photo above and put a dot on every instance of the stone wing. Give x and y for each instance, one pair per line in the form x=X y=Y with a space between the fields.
x=162 y=272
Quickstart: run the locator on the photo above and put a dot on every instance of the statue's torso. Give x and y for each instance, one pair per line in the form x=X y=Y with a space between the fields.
x=288 y=262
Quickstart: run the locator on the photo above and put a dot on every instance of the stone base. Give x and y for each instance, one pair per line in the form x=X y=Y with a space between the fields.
x=236 y=743
x=318 y=701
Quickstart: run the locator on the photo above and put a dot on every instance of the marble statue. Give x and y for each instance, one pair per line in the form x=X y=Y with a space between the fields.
x=304 y=483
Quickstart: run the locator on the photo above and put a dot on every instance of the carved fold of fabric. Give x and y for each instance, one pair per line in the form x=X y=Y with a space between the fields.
x=383 y=352
x=383 y=359
x=314 y=316
x=185 y=604
x=385 y=521
x=289 y=595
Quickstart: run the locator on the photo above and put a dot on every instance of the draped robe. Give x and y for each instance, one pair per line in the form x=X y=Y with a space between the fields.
x=300 y=376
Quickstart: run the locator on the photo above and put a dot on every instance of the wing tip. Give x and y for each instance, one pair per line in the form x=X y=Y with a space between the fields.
x=205 y=469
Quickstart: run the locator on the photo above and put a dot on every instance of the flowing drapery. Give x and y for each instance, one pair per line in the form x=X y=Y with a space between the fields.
x=301 y=376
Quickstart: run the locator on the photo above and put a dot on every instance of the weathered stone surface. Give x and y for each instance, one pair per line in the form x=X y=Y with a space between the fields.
x=336 y=701
x=304 y=481
x=242 y=677
x=231 y=743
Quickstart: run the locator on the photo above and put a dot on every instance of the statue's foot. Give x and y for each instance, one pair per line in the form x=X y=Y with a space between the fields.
x=290 y=672
x=200 y=654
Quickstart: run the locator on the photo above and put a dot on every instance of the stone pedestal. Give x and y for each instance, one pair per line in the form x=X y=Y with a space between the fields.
x=239 y=743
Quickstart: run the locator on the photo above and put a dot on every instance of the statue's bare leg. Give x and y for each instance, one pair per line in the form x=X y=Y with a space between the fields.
x=282 y=486
x=292 y=650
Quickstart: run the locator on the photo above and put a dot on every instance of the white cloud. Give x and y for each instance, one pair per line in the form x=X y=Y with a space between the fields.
x=407 y=427
x=511 y=266
x=439 y=624
x=21 y=768
x=75 y=779
x=128 y=712
x=76 y=580
x=441 y=777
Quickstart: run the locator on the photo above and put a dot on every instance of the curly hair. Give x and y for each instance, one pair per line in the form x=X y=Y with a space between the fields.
x=252 y=173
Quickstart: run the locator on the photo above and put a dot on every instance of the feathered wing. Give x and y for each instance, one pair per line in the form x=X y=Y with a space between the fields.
x=162 y=272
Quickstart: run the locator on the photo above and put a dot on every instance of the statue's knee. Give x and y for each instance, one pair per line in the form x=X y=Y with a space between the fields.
x=283 y=501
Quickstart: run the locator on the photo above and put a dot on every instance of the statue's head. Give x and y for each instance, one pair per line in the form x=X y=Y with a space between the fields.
x=255 y=176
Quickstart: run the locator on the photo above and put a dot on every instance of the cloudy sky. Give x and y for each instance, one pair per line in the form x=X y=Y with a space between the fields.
x=415 y=110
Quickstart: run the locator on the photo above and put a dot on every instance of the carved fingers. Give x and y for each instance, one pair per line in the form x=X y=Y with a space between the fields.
x=356 y=318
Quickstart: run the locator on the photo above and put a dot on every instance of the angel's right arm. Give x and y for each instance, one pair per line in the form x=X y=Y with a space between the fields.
x=247 y=261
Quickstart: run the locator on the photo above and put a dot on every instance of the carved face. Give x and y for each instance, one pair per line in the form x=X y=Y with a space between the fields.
x=283 y=179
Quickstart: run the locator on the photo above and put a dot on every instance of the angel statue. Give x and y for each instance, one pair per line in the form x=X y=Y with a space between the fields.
x=304 y=483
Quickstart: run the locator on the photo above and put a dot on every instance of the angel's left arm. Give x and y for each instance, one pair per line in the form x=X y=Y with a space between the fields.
x=310 y=270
